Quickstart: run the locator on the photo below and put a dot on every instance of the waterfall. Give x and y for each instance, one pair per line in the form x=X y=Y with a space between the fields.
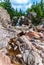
x=19 y=20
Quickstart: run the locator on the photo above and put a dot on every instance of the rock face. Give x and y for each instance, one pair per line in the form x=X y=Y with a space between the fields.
x=30 y=46
x=4 y=60
x=4 y=16
x=31 y=14
x=24 y=45
x=5 y=34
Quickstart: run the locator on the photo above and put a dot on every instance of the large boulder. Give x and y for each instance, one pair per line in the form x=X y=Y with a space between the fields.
x=34 y=18
x=4 y=15
x=5 y=33
x=32 y=14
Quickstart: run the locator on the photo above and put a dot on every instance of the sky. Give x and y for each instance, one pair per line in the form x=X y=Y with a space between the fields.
x=22 y=4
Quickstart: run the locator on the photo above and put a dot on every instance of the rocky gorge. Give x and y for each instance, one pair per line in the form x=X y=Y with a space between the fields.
x=20 y=45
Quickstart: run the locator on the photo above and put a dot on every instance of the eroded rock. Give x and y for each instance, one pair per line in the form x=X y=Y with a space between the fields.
x=32 y=50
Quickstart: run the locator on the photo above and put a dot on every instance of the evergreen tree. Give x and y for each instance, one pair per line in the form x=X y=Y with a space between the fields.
x=7 y=5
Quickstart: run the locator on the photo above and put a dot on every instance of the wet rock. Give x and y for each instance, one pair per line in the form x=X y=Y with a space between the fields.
x=4 y=16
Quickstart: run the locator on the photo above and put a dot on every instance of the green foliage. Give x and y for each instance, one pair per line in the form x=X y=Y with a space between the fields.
x=19 y=13
x=7 y=5
x=39 y=9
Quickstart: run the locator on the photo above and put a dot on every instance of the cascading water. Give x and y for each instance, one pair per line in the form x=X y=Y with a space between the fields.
x=18 y=22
